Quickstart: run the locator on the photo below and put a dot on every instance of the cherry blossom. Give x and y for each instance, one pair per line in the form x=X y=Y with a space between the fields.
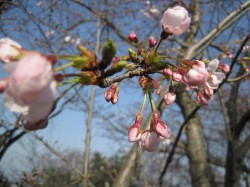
x=214 y=78
x=175 y=20
x=9 y=50
x=169 y=98
x=149 y=141
x=197 y=75
x=31 y=88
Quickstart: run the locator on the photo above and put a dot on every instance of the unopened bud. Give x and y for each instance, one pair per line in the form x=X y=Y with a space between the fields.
x=224 y=67
x=169 y=98
x=108 y=53
x=133 y=37
x=177 y=76
x=201 y=98
x=167 y=72
x=152 y=42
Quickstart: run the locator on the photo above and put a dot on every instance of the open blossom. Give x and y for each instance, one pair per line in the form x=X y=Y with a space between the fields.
x=9 y=50
x=149 y=141
x=197 y=75
x=175 y=20
x=214 y=78
x=31 y=88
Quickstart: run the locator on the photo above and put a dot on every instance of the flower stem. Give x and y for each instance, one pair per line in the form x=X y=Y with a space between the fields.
x=64 y=66
x=158 y=44
x=144 y=102
x=151 y=101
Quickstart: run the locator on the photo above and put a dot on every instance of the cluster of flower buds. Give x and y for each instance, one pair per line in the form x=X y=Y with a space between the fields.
x=30 y=87
x=149 y=140
x=112 y=93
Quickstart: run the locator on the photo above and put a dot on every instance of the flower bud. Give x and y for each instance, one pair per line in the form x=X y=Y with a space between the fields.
x=31 y=126
x=224 y=67
x=133 y=37
x=152 y=42
x=108 y=53
x=202 y=99
x=169 y=98
x=167 y=72
x=159 y=126
x=149 y=141
x=177 y=76
x=9 y=50
x=208 y=92
x=89 y=77
x=175 y=20
x=112 y=93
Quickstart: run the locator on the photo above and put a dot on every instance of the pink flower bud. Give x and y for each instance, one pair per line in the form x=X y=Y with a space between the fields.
x=112 y=93
x=208 y=92
x=169 y=98
x=159 y=126
x=149 y=141
x=9 y=50
x=202 y=99
x=31 y=126
x=134 y=133
x=133 y=37
x=175 y=20
x=31 y=88
x=224 y=67
x=177 y=76
x=3 y=84
x=167 y=72
x=196 y=76
x=152 y=42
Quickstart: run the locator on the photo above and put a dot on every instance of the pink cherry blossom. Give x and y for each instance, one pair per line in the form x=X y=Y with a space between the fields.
x=134 y=133
x=208 y=92
x=169 y=98
x=31 y=88
x=9 y=50
x=167 y=72
x=202 y=99
x=159 y=127
x=177 y=76
x=197 y=75
x=224 y=67
x=149 y=141
x=175 y=20
x=214 y=78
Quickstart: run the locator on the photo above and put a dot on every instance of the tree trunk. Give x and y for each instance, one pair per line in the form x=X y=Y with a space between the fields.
x=196 y=152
